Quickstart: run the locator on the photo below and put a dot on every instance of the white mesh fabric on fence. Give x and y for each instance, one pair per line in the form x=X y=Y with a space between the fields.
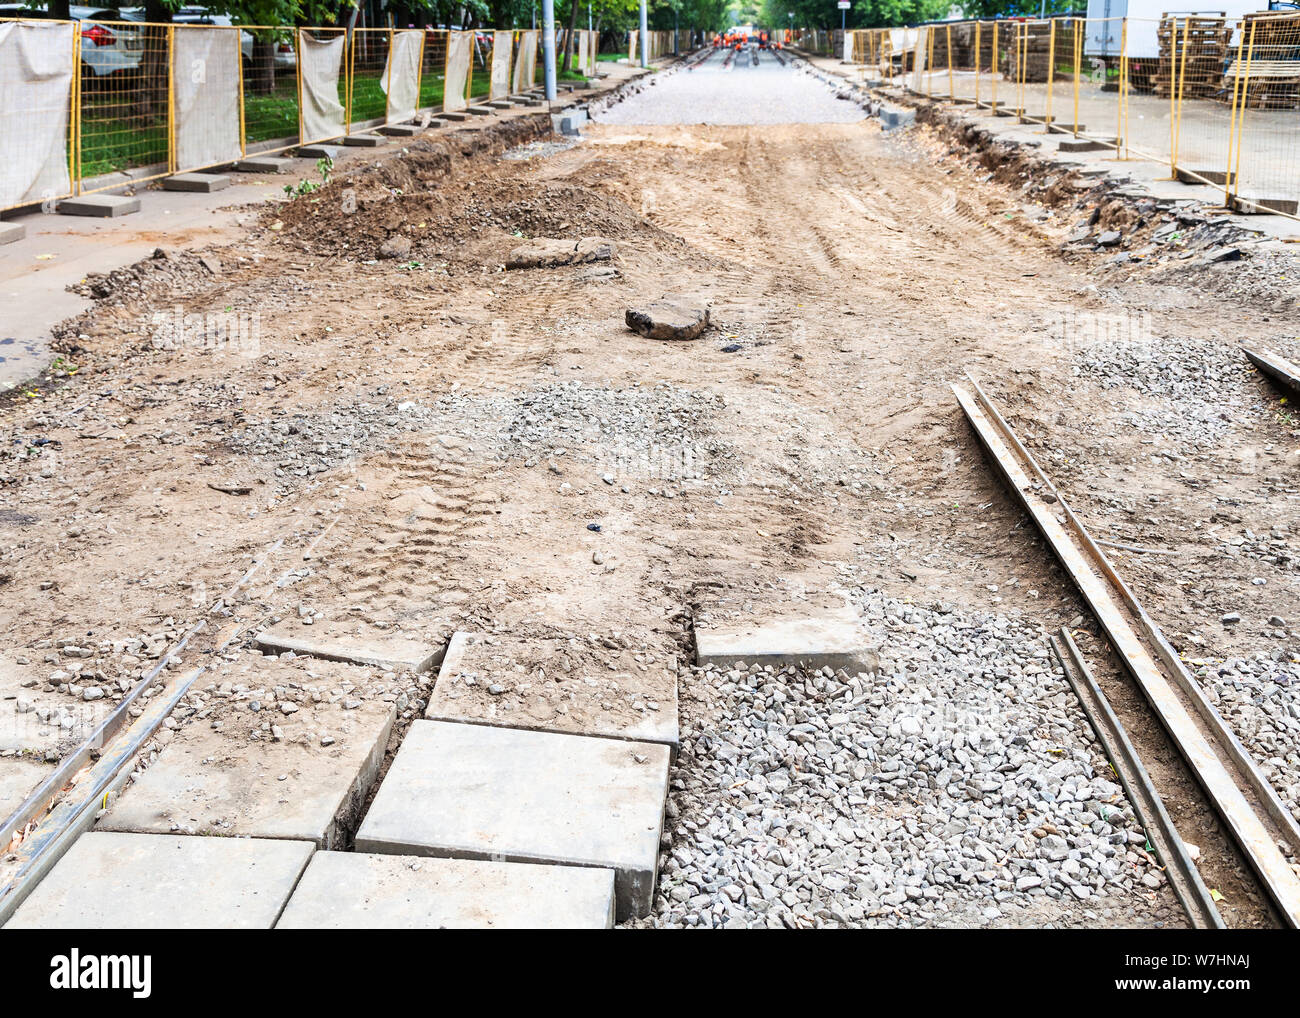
x=459 y=54
x=499 y=83
x=526 y=62
x=321 y=117
x=401 y=80
x=35 y=100
x=205 y=79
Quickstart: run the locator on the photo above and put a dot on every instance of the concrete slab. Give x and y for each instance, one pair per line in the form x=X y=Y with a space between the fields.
x=265 y=773
x=319 y=151
x=19 y=776
x=364 y=140
x=352 y=891
x=1081 y=145
x=262 y=164
x=202 y=182
x=833 y=639
x=400 y=130
x=500 y=104
x=160 y=881
x=480 y=111
x=454 y=117
x=557 y=686
x=103 y=206
x=473 y=792
x=356 y=641
x=11 y=232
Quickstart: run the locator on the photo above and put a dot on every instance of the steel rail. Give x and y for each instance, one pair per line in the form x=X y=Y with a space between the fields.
x=1249 y=806
x=1275 y=366
x=1179 y=869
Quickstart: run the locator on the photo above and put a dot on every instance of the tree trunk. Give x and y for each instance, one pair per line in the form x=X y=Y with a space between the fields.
x=568 y=39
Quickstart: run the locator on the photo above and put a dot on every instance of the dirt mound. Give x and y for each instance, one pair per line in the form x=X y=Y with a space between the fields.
x=447 y=214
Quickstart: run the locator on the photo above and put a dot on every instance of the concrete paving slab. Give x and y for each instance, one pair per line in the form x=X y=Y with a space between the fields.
x=481 y=111
x=262 y=164
x=204 y=183
x=834 y=639
x=357 y=641
x=557 y=686
x=474 y=792
x=400 y=130
x=354 y=890
x=319 y=151
x=454 y=116
x=364 y=140
x=11 y=232
x=161 y=881
x=500 y=104
x=264 y=773
x=103 y=206
x=19 y=776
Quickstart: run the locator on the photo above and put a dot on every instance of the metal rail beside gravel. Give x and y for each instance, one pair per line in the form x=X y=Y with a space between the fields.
x=1249 y=806
x=1275 y=366
x=1179 y=869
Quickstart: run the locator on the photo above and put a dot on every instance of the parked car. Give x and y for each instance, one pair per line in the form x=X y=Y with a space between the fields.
x=107 y=46
x=285 y=57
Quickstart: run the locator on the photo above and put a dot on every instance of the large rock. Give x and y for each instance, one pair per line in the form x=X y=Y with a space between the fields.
x=668 y=318
x=545 y=253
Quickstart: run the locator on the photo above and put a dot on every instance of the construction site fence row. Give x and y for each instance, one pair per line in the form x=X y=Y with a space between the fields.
x=1215 y=98
x=83 y=102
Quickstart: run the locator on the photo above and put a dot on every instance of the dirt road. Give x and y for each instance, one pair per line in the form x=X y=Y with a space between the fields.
x=438 y=439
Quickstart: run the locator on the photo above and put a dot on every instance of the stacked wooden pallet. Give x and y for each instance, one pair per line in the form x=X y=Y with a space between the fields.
x=1028 y=43
x=1193 y=51
x=1272 y=72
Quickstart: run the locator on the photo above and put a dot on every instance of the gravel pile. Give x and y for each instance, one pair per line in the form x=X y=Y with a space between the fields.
x=1200 y=383
x=539 y=149
x=1259 y=698
x=957 y=786
x=303 y=444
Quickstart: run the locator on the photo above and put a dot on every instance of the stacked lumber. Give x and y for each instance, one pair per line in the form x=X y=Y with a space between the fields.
x=1193 y=51
x=1030 y=42
x=1271 y=66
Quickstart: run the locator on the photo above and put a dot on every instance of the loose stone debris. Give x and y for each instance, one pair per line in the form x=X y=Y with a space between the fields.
x=544 y=253
x=669 y=318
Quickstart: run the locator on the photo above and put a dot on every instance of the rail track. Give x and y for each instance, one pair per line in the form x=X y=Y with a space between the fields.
x=1257 y=819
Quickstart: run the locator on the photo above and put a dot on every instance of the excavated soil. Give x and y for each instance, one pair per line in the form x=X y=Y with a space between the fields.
x=444 y=444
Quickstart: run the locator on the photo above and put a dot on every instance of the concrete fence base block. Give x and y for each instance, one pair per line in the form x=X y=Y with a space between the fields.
x=201 y=182
x=319 y=151
x=454 y=117
x=481 y=111
x=1081 y=145
x=364 y=141
x=262 y=164
x=12 y=232
x=400 y=130
x=353 y=891
x=164 y=881
x=501 y=104
x=106 y=206
x=474 y=792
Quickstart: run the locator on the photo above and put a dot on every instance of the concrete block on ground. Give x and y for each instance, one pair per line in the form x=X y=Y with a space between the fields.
x=364 y=141
x=305 y=777
x=319 y=151
x=500 y=104
x=569 y=122
x=400 y=130
x=474 y=792
x=454 y=117
x=1081 y=145
x=480 y=111
x=831 y=640
x=1285 y=206
x=107 y=206
x=262 y=164
x=1059 y=128
x=202 y=182
x=893 y=117
x=353 y=891
x=11 y=232
x=557 y=686
x=160 y=881
x=356 y=641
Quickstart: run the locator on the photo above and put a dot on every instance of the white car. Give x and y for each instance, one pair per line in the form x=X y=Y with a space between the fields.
x=285 y=58
x=106 y=48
